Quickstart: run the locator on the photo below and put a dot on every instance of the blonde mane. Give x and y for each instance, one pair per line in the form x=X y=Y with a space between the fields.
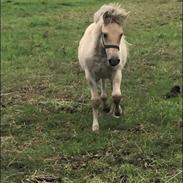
x=111 y=13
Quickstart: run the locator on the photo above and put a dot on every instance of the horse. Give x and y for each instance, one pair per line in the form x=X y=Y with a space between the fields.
x=102 y=54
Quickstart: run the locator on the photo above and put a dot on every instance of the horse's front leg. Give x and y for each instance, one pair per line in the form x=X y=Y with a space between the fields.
x=105 y=106
x=116 y=93
x=95 y=99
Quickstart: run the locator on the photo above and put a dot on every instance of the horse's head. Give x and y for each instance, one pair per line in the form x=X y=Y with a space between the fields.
x=111 y=35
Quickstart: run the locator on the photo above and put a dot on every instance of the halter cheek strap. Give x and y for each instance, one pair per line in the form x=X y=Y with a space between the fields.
x=108 y=45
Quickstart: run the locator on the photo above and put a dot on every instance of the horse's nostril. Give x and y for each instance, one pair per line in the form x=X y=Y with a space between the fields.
x=114 y=62
x=118 y=60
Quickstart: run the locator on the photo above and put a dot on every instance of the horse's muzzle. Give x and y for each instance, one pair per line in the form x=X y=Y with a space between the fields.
x=114 y=61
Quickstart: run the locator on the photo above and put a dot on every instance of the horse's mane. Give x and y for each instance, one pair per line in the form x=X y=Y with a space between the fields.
x=111 y=13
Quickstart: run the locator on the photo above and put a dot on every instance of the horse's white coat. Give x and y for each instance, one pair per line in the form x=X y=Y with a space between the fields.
x=93 y=59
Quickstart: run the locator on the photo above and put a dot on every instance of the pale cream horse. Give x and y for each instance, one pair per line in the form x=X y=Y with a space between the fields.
x=102 y=55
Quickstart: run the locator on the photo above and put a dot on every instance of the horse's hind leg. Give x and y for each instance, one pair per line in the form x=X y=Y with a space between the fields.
x=116 y=94
x=95 y=100
x=105 y=107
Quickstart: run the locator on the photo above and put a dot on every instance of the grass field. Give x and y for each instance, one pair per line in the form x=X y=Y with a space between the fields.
x=45 y=102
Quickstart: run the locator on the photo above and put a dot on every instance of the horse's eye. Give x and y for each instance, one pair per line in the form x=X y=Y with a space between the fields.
x=105 y=35
x=121 y=35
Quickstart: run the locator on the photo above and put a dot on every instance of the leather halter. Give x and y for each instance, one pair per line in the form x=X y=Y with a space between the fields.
x=108 y=45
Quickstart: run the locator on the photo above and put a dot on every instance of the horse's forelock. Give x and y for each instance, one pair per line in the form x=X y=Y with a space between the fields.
x=108 y=17
x=111 y=13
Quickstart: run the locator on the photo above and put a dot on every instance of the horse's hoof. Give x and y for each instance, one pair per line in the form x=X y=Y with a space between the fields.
x=115 y=116
x=95 y=128
x=106 y=109
x=117 y=112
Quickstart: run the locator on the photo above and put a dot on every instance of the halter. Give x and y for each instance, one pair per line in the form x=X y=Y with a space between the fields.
x=108 y=45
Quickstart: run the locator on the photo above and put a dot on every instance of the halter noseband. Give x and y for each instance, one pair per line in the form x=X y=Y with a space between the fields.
x=108 y=45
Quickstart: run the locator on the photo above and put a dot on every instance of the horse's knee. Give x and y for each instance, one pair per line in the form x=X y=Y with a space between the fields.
x=95 y=103
x=116 y=99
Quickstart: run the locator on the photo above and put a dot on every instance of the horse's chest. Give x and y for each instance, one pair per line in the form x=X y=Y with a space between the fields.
x=101 y=69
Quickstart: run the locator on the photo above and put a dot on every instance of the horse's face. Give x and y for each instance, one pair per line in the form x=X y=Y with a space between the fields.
x=111 y=36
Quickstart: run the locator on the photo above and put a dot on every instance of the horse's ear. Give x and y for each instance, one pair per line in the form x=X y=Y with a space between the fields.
x=107 y=18
x=125 y=16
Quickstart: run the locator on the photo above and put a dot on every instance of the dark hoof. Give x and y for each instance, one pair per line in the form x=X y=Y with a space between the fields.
x=117 y=113
x=106 y=109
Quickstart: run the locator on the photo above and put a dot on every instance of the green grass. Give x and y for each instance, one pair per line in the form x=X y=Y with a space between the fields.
x=46 y=114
